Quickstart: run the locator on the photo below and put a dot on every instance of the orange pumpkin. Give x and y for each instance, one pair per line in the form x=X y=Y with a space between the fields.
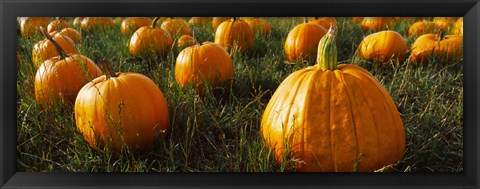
x=185 y=41
x=422 y=27
x=444 y=23
x=61 y=77
x=45 y=49
x=198 y=21
x=131 y=24
x=149 y=41
x=96 y=23
x=199 y=64
x=325 y=22
x=29 y=25
x=458 y=27
x=216 y=21
x=377 y=23
x=176 y=27
x=69 y=32
x=383 y=46
x=357 y=19
x=448 y=48
x=259 y=25
x=120 y=110
x=78 y=21
x=57 y=25
x=235 y=34
x=302 y=41
x=333 y=118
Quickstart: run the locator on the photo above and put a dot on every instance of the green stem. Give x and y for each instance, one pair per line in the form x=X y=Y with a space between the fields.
x=60 y=51
x=327 y=51
x=107 y=68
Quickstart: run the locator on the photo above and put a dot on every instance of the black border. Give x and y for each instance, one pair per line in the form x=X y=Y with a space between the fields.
x=10 y=9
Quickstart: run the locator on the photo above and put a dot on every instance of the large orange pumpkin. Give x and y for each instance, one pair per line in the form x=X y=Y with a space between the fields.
x=259 y=25
x=333 y=118
x=149 y=41
x=377 y=23
x=302 y=41
x=29 y=26
x=199 y=64
x=458 y=27
x=176 y=27
x=235 y=34
x=57 y=25
x=61 y=77
x=71 y=33
x=383 y=46
x=422 y=27
x=131 y=24
x=45 y=49
x=448 y=48
x=96 y=23
x=119 y=110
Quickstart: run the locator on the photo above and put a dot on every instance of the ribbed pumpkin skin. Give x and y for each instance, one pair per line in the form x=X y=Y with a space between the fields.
x=131 y=24
x=259 y=25
x=325 y=22
x=95 y=23
x=73 y=34
x=383 y=46
x=56 y=79
x=176 y=27
x=235 y=34
x=426 y=46
x=198 y=64
x=44 y=50
x=444 y=22
x=29 y=26
x=61 y=24
x=377 y=23
x=458 y=27
x=332 y=119
x=422 y=27
x=216 y=21
x=150 y=41
x=302 y=41
x=142 y=106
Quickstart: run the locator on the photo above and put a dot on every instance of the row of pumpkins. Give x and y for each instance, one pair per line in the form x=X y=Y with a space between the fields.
x=332 y=117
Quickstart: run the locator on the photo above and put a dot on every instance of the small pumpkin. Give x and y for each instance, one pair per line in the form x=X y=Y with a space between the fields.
x=199 y=64
x=149 y=41
x=444 y=23
x=96 y=23
x=259 y=25
x=458 y=27
x=131 y=24
x=176 y=27
x=383 y=46
x=325 y=22
x=447 y=48
x=57 y=25
x=216 y=21
x=186 y=41
x=302 y=41
x=333 y=118
x=235 y=34
x=73 y=34
x=61 y=77
x=377 y=23
x=199 y=21
x=78 y=21
x=422 y=27
x=122 y=109
x=29 y=26
x=45 y=49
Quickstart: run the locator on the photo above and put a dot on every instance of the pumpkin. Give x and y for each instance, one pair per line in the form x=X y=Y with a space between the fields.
x=333 y=118
x=96 y=23
x=235 y=34
x=216 y=21
x=61 y=77
x=325 y=22
x=118 y=110
x=69 y=32
x=444 y=23
x=78 y=21
x=131 y=24
x=458 y=27
x=45 y=49
x=57 y=25
x=357 y=19
x=447 y=48
x=149 y=41
x=259 y=25
x=198 y=21
x=199 y=64
x=377 y=23
x=422 y=27
x=185 y=41
x=302 y=41
x=176 y=27
x=383 y=46
x=29 y=25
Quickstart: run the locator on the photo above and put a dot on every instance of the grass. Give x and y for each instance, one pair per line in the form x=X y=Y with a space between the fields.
x=219 y=131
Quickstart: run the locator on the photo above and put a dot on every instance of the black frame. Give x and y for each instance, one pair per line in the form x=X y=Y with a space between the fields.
x=10 y=9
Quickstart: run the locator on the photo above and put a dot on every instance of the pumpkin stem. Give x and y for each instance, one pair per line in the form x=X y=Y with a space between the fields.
x=60 y=51
x=154 y=22
x=107 y=68
x=440 y=35
x=234 y=18
x=305 y=19
x=327 y=51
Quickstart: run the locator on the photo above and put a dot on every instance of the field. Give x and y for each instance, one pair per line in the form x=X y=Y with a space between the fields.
x=219 y=131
